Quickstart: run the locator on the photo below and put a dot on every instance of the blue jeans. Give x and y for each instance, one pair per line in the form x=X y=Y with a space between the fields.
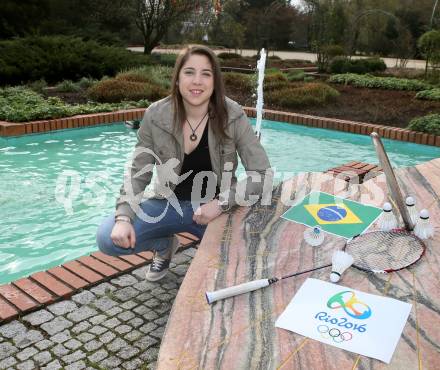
x=152 y=236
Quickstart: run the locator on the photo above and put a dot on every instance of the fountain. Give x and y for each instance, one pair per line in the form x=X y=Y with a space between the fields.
x=260 y=66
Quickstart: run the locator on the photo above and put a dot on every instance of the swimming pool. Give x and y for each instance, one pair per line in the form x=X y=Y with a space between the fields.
x=39 y=229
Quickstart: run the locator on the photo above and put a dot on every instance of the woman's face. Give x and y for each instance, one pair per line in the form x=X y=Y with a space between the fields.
x=196 y=81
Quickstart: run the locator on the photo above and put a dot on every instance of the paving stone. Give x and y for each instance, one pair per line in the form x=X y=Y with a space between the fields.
x=98 y=330
x=26 y=339
x=126 y=293
x=123 y=329
x=124 y=280
x=26 y=353
x=83 y=313
x=61 y=337
x=80 y=327
x=165 y=297
x=27 y=365
x=133 y=364
x=114 y=311
x=146 y=342
x=152 y=365
x=136 y=322
x=56 y=325
x=110 y=362
x=148 y=327
x=85 y=337
x=98 y=356
x=59 y=350
x=73 y=357
x=191 y=252
x=140 y=310
x=133 y=335
x=116 y=345
x=163 y=308
x=179 y=270
x=129 y=305
x=104 y=303
x=42 y=358
x=181 y=258
x=103 y=289
x=107 y=337
x=158 y=333
x=140 y=272
x=170 y=285
x=95 y=320
x=126 y=315
x=128 y=352
x=54 y=365
x=150 y=355
x=12 y=329
x=93 y=345
x=153 y=302
x=161 y=321
x=144 y=297
x=79 y=365
x=7 y=363
x=84 y=297
x=112 y=323
x=73 y=344
x=150 y=316
x=44 y=344
x=6 y=350
x=38 y=318
x=62 y=308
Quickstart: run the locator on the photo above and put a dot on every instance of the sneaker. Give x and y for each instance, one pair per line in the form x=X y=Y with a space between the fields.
x=159 y=267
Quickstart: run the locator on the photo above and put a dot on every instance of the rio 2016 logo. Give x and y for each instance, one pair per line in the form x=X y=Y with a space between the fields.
x=350 y=304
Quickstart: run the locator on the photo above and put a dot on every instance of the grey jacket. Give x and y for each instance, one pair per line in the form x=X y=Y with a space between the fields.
x=159 y=144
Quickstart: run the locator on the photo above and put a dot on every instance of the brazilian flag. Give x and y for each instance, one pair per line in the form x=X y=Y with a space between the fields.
x=334 y=215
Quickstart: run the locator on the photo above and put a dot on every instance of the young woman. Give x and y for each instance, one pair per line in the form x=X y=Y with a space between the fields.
x=192 y=137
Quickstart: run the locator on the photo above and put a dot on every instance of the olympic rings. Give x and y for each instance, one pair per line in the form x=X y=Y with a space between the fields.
x=334 y=333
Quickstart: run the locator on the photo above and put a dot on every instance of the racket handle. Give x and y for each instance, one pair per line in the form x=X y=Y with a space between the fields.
x=217 y=295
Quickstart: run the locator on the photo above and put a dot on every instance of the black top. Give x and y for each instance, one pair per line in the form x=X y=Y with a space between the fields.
x=197 y=161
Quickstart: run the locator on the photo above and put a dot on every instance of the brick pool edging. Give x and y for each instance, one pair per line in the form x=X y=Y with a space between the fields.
x=401 y=134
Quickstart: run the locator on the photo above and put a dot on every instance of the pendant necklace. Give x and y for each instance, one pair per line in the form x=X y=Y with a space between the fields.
x=193 y=136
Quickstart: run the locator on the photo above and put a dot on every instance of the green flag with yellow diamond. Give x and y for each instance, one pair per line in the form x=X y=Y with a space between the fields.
x=332 y=214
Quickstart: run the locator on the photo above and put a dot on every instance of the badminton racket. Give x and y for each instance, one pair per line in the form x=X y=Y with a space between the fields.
x=393 y=186
x=385 y=251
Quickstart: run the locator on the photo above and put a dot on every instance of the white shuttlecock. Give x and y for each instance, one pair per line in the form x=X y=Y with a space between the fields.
x=412 y=210
x=387 y=220
x=314 y=236
x=341 y=261
x=424 y=228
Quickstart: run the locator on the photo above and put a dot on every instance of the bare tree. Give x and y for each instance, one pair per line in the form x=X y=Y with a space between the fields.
x=154 y=17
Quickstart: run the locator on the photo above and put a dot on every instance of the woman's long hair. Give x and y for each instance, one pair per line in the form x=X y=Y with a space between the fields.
x=218 y=114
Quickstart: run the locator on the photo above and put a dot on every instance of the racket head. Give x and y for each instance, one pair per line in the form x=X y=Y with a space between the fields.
x=385 y=251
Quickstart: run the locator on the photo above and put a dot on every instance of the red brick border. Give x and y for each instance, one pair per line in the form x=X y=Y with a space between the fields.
x=395 y=133
x=360 y=128
x=45 y=287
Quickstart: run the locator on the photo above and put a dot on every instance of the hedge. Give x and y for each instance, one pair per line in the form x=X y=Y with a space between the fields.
x=360 y=66
x=432 y=94
x=429 y=124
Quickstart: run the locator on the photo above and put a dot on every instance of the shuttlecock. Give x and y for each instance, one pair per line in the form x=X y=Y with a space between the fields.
x=424 y=229
x=314 y=236
x=341 y=261
x=411 y=206
x=387 y=221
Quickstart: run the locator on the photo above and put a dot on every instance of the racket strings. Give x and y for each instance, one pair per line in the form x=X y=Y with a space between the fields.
x=381 y=251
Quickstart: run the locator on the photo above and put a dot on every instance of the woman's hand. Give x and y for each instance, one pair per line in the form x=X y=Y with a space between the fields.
x=206 y=213
x=123 y=234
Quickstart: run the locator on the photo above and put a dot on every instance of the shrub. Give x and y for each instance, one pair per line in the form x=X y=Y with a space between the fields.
x=229 y=56
x=168 y=60
x=86 y=82
x=157 y=75
x=316 y=94
x=275 y=80
x=387 y=83
x=38 y=86
x=20 y=104
x=296 y=75
x=67 y=86
x=56 y=58
x=429 y=124
x=360 y=66
x=432 y=94
x=237 y=80
x=116 y=90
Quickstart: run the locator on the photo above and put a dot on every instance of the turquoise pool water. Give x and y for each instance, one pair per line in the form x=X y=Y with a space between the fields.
x=39 y=230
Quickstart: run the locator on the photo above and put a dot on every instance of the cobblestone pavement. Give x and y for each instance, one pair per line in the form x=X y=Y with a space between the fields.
x=115 y=325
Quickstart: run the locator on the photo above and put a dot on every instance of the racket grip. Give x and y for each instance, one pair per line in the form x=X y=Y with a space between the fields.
x=217 y=295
